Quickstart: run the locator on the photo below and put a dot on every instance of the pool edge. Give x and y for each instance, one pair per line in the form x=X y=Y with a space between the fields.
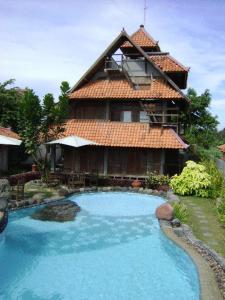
x=208 y=286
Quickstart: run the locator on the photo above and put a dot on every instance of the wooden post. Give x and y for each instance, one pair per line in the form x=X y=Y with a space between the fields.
x=164 y=118
x=162 y=161
x=53 y=157
x=107 y=111
x=105 y=161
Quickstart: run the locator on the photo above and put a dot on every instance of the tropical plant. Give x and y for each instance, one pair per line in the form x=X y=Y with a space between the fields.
x=194 y=180
x=180 y=211
x=217 y=178
x=40 y=123
x=221 y=211
x=155 y=180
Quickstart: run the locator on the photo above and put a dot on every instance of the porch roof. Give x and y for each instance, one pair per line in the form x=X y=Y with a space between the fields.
x=167 y=63
x=119 y=134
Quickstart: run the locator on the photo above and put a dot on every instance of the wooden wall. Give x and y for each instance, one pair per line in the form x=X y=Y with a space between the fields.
x=120 y=161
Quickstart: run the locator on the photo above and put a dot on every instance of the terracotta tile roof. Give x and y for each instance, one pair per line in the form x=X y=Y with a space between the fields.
x=8 y=133
x=142 y=39
x=167 y=63
x=121 y=89
x=222 y=148
x=119 y=134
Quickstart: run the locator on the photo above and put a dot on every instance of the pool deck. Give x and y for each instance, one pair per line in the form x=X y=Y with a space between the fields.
x=208 y=286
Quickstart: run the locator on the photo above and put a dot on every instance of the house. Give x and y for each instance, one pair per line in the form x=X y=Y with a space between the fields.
x=8 y=138
x=128 y=103
x=222 y=150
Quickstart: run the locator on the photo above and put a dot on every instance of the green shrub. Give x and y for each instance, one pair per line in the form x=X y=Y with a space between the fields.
x=221 y=211
x=155 y=180
x=217 y=179
x=194 y=180
x=180 y=211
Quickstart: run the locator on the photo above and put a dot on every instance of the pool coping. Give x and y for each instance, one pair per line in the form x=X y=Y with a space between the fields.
x=209 y=264
x=205 y=263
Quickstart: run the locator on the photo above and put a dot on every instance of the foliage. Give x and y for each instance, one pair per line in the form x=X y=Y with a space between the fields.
x=200 y=126
x=194 y=180
x=40 y=123
x=217 y=179
x=221 y=211
x=180 y=211
x=155 y=180
x=9 y=99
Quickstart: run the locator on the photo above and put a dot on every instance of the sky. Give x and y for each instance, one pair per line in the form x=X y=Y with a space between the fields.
x=44 y=42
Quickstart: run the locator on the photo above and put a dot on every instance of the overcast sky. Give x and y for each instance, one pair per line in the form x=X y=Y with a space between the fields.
x=44 y=42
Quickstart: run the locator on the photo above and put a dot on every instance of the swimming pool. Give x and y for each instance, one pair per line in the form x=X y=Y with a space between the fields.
x=114 y=250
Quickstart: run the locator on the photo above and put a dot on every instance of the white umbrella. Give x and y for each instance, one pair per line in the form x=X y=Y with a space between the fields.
x=73 y=141
x=5 y=140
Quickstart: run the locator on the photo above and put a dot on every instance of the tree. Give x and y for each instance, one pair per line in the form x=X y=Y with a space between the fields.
x=200 y=126
x=9 y=99
x=41 y=122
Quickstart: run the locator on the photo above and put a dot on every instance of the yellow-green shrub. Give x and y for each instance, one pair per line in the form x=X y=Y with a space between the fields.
x=194 y=180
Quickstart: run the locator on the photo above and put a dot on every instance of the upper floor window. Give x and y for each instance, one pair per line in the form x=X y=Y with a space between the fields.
x=143 y=116
x=126 y=116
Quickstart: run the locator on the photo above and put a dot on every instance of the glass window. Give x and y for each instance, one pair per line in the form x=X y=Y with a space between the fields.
x=144 y=117
x=127 y=116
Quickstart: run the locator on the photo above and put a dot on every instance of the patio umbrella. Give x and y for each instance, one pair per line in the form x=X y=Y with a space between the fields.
x=73 y=141
x=5 y=140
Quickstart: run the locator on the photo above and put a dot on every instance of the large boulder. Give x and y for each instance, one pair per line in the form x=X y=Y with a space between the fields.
x=3 y=204
x=164 y=212
x=5 y=189
x=59 y=212
x=38 y=197
x=34 y=185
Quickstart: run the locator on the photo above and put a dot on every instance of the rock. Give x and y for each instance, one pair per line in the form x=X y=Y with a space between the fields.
x=38 y=196
x=63 y=191
x=5 y=189
x=171 y=196
x=164 y=212
x=3 y=220
x=176 y=223
x=59 y=212
x=34 y=185
x=3 y=204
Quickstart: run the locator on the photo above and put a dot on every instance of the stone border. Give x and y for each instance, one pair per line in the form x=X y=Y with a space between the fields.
x=210 y=265
x=15 y=205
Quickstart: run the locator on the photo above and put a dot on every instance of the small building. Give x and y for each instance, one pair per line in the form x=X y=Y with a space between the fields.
x=222 y=150
x=128 y=103
x=8 y=138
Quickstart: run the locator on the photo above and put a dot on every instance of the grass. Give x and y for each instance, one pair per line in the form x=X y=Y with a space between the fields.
x=206 y=207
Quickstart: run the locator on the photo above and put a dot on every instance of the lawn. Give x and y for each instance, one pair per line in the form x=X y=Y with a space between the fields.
x=204 y=222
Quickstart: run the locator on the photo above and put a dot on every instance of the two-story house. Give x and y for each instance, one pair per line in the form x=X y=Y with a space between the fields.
x=128 y=103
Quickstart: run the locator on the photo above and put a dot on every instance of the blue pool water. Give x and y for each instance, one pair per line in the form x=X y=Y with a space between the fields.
x=114 y=250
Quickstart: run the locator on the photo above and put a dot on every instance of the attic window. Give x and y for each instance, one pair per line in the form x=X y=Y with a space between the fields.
x=127 y=116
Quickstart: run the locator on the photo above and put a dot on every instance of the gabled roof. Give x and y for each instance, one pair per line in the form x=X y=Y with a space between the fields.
x=122 y=37
x=121 y=89
x=167 y=63
x=143 y=39
x=119 y=134
x=8 y=133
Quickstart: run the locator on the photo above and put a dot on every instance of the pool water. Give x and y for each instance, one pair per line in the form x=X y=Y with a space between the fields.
x=114 y=250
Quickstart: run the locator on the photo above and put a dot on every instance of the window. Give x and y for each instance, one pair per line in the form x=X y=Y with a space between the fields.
x=144 y=117
x=126 y=116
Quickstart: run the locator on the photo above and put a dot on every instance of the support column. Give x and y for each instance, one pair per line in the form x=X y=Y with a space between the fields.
x=105 y=161
x=53 y=157
x=162 y=161
x=107 y=111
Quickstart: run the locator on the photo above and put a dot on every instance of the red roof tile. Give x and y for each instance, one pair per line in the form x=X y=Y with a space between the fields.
x=142 y=39
x=167 y=63
x=119 y=134
x=121 y=89
x=8 y=133
x=222 y=148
